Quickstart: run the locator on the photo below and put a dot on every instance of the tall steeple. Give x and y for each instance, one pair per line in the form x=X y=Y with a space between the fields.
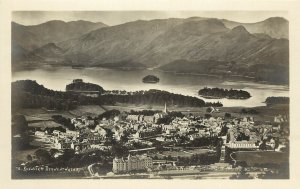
x=165 y=109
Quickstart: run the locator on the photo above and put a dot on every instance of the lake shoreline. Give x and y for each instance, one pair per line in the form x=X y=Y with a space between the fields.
x=227 y=78
x=56 y=78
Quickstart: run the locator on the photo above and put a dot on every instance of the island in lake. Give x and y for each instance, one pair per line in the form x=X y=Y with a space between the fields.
x=217 y=93
x=150 y=79
x=87 y=89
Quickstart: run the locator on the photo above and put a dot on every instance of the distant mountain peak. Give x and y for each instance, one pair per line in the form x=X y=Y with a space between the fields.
x=240 y=28
x=275 y=27
x=276 y=19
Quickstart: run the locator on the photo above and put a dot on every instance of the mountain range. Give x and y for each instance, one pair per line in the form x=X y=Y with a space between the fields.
x=198 y=45
x=28 y=38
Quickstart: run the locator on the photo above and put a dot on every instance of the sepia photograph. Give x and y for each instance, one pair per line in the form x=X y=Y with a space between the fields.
x=150 y=95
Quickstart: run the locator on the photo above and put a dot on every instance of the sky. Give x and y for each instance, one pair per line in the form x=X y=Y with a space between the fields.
x=118 y=17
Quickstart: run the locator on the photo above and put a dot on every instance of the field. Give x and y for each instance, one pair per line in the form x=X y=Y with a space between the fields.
x=252 y=157
x=264 y=113
x=181 y=153
x=43 y=118
x=44 y=124
x=42 y=115
x=90 y=110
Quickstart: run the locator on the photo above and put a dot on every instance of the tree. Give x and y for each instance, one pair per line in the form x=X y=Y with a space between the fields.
x=263 y=145
x=53 y=151
x=118 y=150
x=68 y=154
x=209 y=109
x=227 y=115
x=43 y=156
x=207 y=116
x=19 y=124
x=125 y=137
x=29 y=157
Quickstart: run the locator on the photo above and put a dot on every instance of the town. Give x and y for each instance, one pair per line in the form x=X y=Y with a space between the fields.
x=161 y=144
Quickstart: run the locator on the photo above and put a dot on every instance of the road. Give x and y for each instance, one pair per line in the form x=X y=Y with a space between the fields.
x=91 y=170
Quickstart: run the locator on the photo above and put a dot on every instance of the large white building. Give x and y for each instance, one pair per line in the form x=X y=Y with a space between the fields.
x=242 y=144
x=132 y=163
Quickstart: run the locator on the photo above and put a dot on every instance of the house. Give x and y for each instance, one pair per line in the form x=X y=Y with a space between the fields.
x=161 y=139
x=280 y=119
x=149 y=119
x=133 y=117
x=194 y=136
x=70 y=133
x=56 y=132
x=170 y=131
x=79 y=146
x=39 y=133
x=99 y=129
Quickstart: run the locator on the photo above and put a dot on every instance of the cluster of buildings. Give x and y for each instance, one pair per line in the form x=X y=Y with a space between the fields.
x=132 y=163
x=237 y=133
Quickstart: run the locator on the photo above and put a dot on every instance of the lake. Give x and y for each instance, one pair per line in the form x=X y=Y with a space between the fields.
x=57 y=78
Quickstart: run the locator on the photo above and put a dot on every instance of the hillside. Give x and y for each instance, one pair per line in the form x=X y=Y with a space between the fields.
x=275 y=27
x=32 y=37
x=160 y=42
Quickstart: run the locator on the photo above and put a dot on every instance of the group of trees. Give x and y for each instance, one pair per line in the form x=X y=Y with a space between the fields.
x=82 y=86
x=199 y=159
x=118 y=150
x=19 y=124
x=242 y=136
x=144 y=112
x=150 y=79
x=69 y=158
x=110 y=114
x=29 y=94
x=155 y=97
x=213 y=104
x=206 y=141
x=167 y=119
x=223 y=93
x=63 y=121
x=19 y=127
x=249 y=111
